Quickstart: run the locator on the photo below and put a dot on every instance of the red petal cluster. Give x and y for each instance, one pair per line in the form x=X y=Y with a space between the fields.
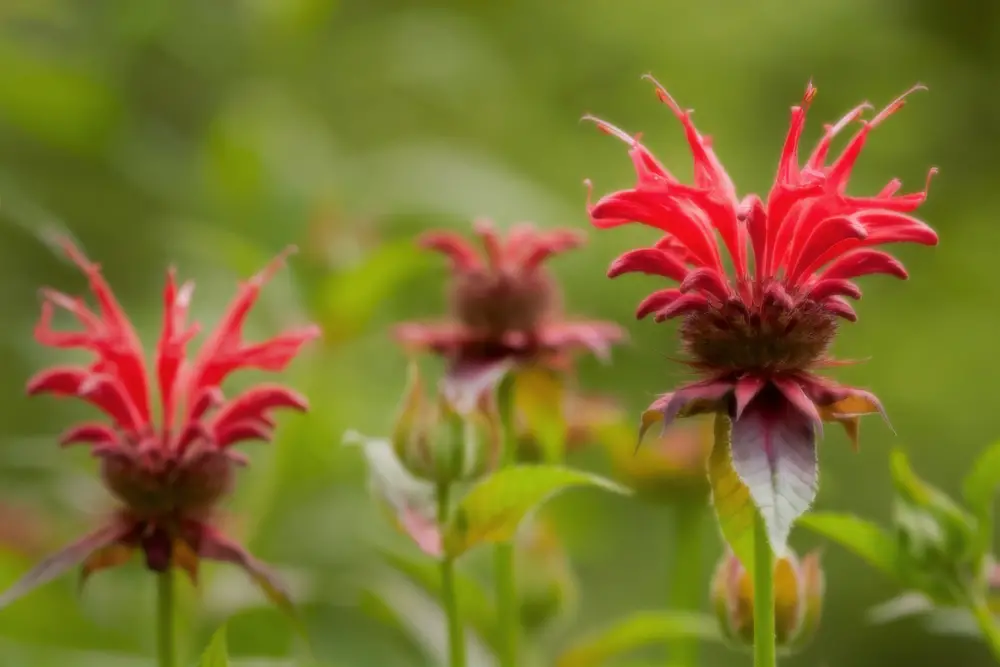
x=808 y=240
x=193 y=407
x=505 y=306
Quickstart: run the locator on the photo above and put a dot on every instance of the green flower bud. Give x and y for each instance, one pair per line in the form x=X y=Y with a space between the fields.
x=436 y=443
x=798 y=597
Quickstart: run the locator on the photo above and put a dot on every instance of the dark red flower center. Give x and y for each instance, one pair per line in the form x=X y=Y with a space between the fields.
x=496 y=302
x=154 y=484
x=770 y=334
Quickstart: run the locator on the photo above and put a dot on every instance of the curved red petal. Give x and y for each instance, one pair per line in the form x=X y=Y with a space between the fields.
x=91 y=433
x=657 y=301
x=651 y=261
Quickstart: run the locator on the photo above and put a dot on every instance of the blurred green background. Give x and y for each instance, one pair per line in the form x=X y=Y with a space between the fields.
x=212 y=134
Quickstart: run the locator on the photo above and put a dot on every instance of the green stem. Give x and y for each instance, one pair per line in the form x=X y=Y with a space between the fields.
x=165 y=638
x=763 y=598
x=456 y=634
x=686 y=589
x=988 y=626
x=506 y=585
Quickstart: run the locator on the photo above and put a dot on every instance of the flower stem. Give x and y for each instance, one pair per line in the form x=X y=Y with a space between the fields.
x=686 y=585
x=449 y=595
x=506 y=586
x=165 y=638
x=987 y=625
x=763 y=598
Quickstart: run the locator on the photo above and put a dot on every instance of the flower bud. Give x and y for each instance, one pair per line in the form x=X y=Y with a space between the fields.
x=547 y=586
x=436 y=443
x=798 y=597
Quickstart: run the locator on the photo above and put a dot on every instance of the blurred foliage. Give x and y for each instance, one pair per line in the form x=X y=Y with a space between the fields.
x=212 y=134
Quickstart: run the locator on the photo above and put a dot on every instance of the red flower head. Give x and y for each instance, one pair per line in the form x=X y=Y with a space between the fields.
x=757 y=334
x=168 y=477
x=506 y=307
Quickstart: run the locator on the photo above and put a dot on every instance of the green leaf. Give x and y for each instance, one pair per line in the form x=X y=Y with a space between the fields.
x=979 y=488
x=492 y=511
x=216 y=655
x=951 y=528
x=539 y=399
x=858 y=535
x=734 y=509
x=475 y=604
x=637 y=631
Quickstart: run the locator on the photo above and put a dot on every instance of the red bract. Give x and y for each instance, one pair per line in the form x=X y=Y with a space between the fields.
x=170 y=476
x=758 y=333
x=506 y=307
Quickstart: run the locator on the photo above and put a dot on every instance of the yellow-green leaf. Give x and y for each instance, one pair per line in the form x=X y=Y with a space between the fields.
x=635 y=632
x=980 y=486
x=216 y=654
x=734 y=508
x=539 y=400
x=858 y=535
x=492 y=511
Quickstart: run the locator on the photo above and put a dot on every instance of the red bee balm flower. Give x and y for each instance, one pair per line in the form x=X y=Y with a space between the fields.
x=507 y=308
x=167 y=477
x=757 y=335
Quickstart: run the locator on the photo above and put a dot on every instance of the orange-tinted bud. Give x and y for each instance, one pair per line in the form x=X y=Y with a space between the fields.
x=798 y=597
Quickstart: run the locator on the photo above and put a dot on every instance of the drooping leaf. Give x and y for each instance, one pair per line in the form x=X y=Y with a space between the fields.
x=468 y=379
x=216 y=653
x=979 y=488
x=860 y=536
x=410 y=503
x=635 y=632
x=774 y=453
x=730 y=496
x=473 y=601
x=493 y=509
x=539 y=399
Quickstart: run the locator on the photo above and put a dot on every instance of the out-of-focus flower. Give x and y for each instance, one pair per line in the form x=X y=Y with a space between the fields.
x=757 y=335
x=167 y=476
x=547 y=585
x=506 y=309
x=437 y=443
x=798 y=598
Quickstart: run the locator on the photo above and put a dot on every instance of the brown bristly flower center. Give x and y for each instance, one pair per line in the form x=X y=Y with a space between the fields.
x=152 y=485
x=495 y=302
x=767 y=335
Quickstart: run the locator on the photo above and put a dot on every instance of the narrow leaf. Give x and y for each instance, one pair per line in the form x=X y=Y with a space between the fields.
x=539 y=399
x=492 y=511
x=862 y=537
x=774 y=453
x=638 y=631
x=980 y=486
x=60 y=562
x=730 y=496
x=216 y=654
